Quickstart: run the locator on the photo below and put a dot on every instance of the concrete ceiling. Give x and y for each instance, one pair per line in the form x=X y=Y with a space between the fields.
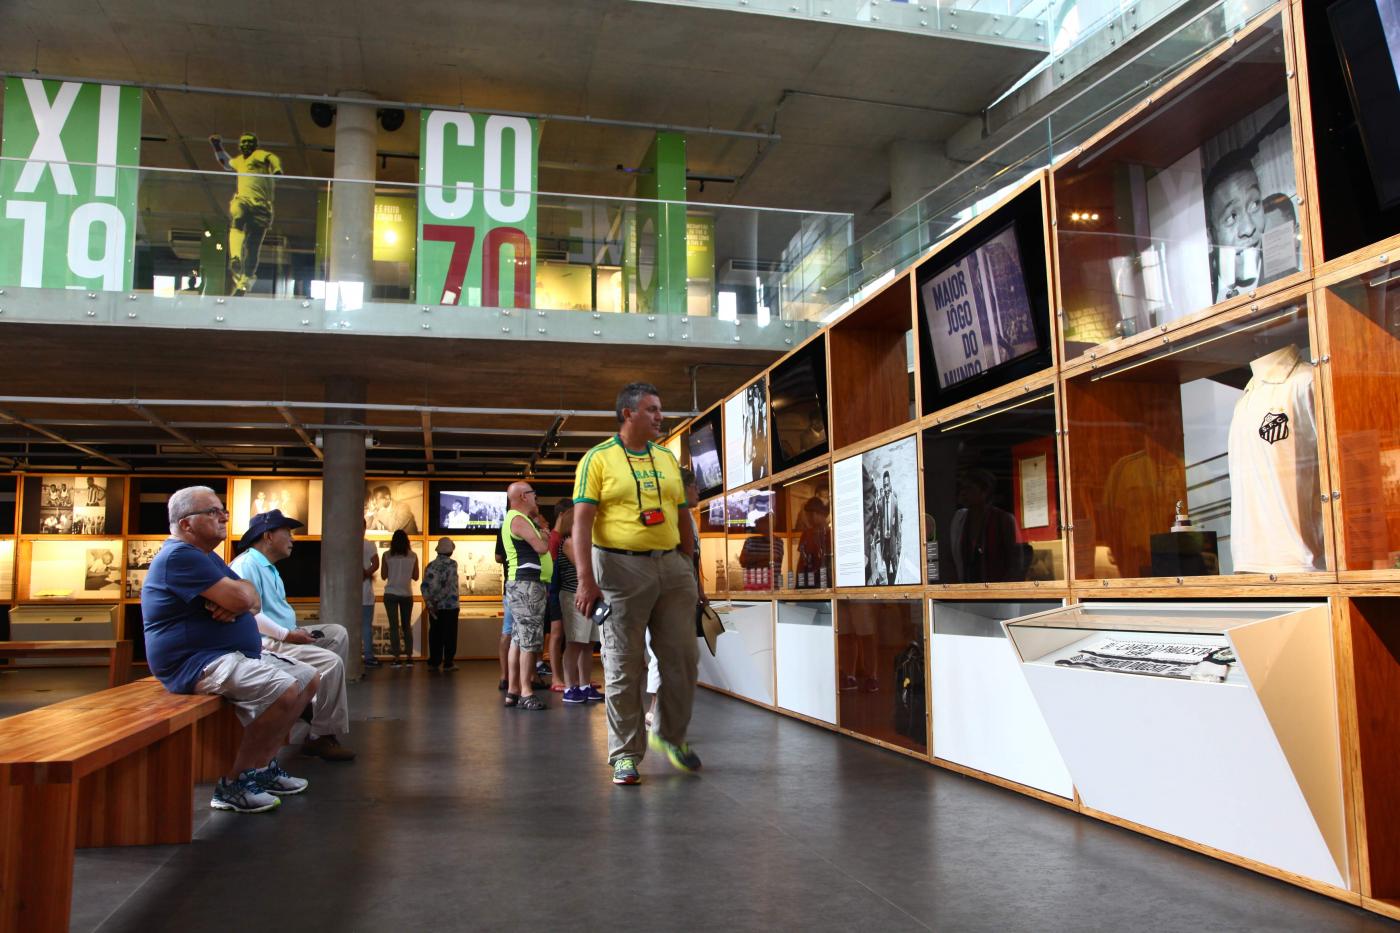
x=837 y=94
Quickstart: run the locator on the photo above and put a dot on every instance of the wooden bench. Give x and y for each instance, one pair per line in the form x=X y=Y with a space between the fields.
x=119 y=652
x=113 y=768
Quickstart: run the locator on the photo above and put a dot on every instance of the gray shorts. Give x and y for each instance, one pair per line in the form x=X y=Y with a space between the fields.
x=527 y=599
x=253 y=684
x=577 y=626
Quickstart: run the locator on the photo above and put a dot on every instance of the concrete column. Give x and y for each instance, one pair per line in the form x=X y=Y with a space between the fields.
x=342 y=517
x=352 y=205
x=915 y=169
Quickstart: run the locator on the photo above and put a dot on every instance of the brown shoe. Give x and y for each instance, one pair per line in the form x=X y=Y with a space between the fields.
x=328 y=748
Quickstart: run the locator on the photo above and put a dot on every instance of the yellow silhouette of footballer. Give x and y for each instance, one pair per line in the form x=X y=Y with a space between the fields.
x=250 y=211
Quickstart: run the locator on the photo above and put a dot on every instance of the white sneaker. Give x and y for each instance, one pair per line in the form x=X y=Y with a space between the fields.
x=274 y=780
x=242 y=796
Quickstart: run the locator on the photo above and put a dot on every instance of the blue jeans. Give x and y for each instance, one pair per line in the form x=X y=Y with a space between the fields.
x=508 y=623
x=367 y=625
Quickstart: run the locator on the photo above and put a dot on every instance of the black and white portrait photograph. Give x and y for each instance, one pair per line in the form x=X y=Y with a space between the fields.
x=462 y=510
x=746 y=436
x=704 y=458
x=1249 y=188
x=394 y=505
x=478 y=574
x=139 y=554
x=289 y=495
x=103 y=570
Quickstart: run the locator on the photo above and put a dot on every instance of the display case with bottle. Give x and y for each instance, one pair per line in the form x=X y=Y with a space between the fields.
x=881 y=660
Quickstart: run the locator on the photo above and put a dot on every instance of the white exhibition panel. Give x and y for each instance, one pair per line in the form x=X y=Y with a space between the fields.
x=806 y=659
x=743 y=659
x=1196 y=760
x=985 y=716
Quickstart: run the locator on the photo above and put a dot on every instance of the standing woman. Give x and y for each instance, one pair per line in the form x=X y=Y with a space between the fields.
x=399 y=569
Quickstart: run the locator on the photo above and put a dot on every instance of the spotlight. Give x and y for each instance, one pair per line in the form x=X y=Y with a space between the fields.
x=391 y=119
x=1093 y=216
x=1074 y=216
x=322 y=114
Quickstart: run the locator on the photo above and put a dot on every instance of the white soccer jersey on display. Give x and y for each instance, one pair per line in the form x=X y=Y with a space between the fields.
x=1275 y=517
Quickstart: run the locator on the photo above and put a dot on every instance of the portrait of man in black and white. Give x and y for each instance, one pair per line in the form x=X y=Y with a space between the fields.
x=890 y=509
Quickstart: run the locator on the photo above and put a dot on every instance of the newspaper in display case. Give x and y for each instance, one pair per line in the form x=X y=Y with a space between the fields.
x=1202 y=662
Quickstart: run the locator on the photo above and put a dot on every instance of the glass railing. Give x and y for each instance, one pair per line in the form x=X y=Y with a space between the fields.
x=1010 y=21
x=894 y=245
x=182 y=234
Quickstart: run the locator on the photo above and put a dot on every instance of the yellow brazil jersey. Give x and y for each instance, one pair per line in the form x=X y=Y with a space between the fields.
x=255 y=175
x=611 y=477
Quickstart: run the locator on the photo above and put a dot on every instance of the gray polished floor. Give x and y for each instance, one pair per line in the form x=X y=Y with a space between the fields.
x=462 y=815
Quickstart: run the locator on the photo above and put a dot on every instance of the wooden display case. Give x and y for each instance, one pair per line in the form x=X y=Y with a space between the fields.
x=1190 y=203
x=881 y=656
x=870 y=347
x=803 y=524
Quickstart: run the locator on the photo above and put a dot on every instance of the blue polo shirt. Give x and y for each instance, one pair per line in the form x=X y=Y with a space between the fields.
x=254 y=567
x=182 y=638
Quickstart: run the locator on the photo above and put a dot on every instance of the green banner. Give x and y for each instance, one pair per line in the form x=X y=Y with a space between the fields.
x=476 y=209
x=67 y=225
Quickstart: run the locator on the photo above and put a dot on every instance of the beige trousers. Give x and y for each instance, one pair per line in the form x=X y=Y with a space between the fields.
x=656 y=595
x=330 y=710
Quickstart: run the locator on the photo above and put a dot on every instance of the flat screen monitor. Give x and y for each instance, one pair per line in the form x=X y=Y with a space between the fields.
x=704 y=440
x=797 y=403
x=1367 y=34
x=984 y=315
x=744 y=510
x=470 y=511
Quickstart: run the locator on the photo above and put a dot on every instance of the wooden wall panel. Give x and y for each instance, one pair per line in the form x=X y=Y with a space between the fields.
x=1375 y=635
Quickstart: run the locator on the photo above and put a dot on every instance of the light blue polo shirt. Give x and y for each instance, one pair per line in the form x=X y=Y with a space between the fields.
x=252 y=566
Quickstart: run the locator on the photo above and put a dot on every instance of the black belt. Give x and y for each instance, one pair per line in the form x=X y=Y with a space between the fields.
x=618 y=550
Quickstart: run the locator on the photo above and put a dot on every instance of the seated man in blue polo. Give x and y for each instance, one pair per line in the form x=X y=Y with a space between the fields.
x=201 y=638
x=267 y=541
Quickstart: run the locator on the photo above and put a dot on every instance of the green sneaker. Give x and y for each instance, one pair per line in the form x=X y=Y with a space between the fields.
x=681 y=756
x=625 y=772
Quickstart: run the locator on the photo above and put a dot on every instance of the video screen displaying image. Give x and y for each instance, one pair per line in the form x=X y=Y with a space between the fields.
x=478 y=574
x=73 y=505
x=746 y=436
x=798 y=390
x=979 y=312
x=1367 y=36
x=704 y=456
x=877 y=517
x=394 y=505
x=293 y=496
x=471 y=510
x=745 y=510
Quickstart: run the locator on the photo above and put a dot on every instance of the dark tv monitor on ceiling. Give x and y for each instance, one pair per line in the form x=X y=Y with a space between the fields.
x=984 y=305
x=1367 y=35
x=705 y=441
x=797 y=406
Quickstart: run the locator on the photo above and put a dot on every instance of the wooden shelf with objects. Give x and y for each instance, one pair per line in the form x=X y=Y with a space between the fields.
x=1139 y=422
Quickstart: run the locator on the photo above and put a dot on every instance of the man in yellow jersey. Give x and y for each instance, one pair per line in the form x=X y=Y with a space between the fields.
x=529 y=570
x=250 y=211
x=634 y=555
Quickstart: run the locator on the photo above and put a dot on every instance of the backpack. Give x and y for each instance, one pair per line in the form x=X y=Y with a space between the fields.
x=909 y=717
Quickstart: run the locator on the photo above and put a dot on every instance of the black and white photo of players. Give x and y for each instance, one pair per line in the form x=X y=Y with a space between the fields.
x=288 y=495
x=890 y=504
x=72 y=505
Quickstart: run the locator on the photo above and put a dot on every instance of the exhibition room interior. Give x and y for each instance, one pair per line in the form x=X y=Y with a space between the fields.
x=1038 y=364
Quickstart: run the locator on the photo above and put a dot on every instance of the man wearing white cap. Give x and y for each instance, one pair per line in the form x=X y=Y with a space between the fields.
x=267 y=541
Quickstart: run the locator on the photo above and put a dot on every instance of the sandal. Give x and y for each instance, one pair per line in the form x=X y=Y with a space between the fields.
x=512 y=699
x=558 y=688
x=531 y=702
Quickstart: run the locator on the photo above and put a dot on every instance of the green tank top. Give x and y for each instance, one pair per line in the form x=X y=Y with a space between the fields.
x=522 y=561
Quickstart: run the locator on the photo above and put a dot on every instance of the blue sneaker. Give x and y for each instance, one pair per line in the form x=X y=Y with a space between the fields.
x=591 y=693
x=625 y=772
x=243 y=797
x=274 y=780
x=575 y=695
x=681 y=757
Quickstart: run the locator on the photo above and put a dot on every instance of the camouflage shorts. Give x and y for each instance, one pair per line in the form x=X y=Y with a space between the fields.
x=527 y=600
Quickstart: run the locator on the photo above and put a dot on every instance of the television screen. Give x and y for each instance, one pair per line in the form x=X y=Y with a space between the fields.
x=746 y=436
x=798 y=405
x=1367 y=33
x=978 y=312
x=984 y=316
x=743 y=510
x=703 y=440
x=470 y=510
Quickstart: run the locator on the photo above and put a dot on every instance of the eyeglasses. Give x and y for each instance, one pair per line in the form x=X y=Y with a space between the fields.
x=212 y=510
